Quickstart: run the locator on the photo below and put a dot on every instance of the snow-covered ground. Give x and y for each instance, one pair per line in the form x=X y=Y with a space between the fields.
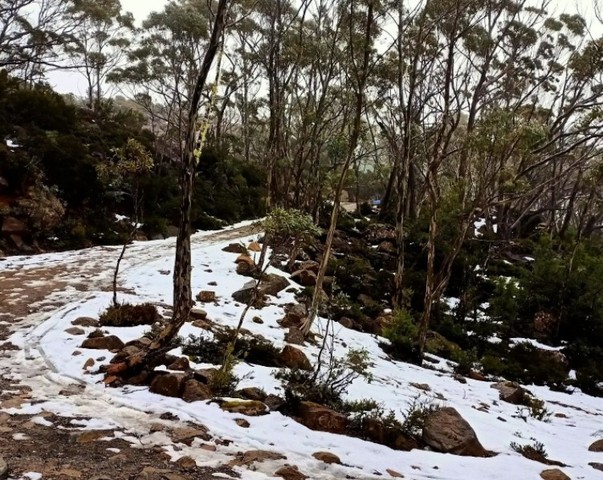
x=46 y=360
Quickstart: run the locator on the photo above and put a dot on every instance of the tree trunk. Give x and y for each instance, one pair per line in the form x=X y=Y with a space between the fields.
x=182 y=265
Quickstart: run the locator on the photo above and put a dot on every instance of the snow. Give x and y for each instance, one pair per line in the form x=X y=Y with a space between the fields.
x=47 y=348
x=12 y=144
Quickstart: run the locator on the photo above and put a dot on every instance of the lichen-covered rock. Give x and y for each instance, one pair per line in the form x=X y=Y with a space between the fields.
x=447 y=432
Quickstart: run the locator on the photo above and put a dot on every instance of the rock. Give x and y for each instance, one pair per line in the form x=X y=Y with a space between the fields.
x=597 y=466
x=274 y=402
x=168 y=384
x=252 y=408
x=511 y=392
x=3 y=469
x=387 y=246
x=346 y=322
x=295 y=335
x=318 y=417
x=376 y=431
x=202 y=324
x=250 y=457
x=186 y=463
x=187 y=435
x=235 y=248
x=245 y=294
x=306 y=278
x=366 y=300
x=252 y=393
x=206 y=296
x=377 y=233
x=327 y=457
x=195 y=391
x=245 y=259
x=596 y=446
x=257 y=320
x=544 y=324
x=13 y=226
x=290 y=473
x=89 y=363
x=110 y=342
x=246 y=270
x=553 y=474
x=393 y=473
x=310 y=265
x=198 y=314
x=272 y=284
x=459 y=378
x=294 y=316
x=89 y=436
x=294 y=358
x=181 y=363
x=475 y=375
x=241 y=422
x=85 y=322
x=75 y=331
x=254 y=247
x=447 y=432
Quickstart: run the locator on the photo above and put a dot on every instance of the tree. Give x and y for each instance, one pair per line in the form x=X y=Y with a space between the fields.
x=183 y=300
x=103 y=33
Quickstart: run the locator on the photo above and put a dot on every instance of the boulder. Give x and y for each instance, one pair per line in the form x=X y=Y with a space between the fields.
x=306 y=278
x=245 y=294
x=246 y=270
x=252 y=408
x=318 y=417
x=241 y=422
x=376 y=431
x=346 y=322
x=597 y=466
x=596 y=446
x=181 y=363
x=168 y=384
x=511 y=392
x=13 y=226
x=195 y=391
x=244 y=258
x=294 y=315
x=254 y=247
x=85 y=322
x=110 y=342
x=290 y=473
x=272 y=284
x=206 y=296
x=235 y=248
x=327 y=457
x=294 y=358
x=553 y=474
x=198 y=314
x=393 y=473
x=75 y=331
x=295 y=335
x=252 y=393
x=274 y=402
x=310 y=265
x=447 y=432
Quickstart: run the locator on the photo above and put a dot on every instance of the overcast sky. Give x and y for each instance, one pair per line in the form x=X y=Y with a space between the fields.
x=66 y=82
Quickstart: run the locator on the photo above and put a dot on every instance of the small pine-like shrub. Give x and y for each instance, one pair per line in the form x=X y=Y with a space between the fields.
x=128 y=315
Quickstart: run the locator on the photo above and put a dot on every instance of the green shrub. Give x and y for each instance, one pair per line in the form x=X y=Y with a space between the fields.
x=416 y=414
x=128 y=315
x=402 y=334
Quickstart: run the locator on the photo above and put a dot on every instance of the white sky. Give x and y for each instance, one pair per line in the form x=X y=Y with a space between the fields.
x=72 y=82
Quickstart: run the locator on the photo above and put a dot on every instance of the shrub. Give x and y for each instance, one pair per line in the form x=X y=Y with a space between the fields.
x=402 y=334
x=416 y=414
x=326 y=385
x=250 y=348
x=127 y=315
x=534 y=451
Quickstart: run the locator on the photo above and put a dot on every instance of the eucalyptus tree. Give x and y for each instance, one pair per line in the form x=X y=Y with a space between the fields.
x=102 y=35
x=163 y=65
x=32 y=33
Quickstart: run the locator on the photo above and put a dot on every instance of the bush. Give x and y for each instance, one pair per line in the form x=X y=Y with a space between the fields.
x=415 y=416
x=534 y=451
x=402 y=334
x=327 y=385
x=127 y=315
x=250 y=348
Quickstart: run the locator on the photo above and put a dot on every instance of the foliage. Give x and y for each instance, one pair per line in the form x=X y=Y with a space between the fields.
x=402 y=334
x=128 y=315
x=327 y=384
x=536 y=449
x=249 y=348
x=290 y=225
x=416 y=414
